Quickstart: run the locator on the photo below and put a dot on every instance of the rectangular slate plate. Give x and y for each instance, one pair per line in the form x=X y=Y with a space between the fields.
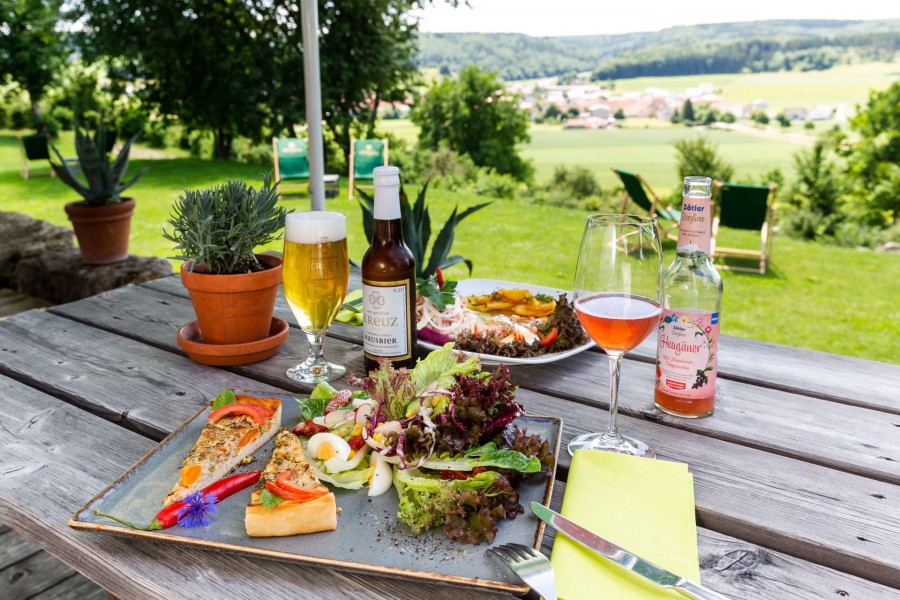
x=368 y=538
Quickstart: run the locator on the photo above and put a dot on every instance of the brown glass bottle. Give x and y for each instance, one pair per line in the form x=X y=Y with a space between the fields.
x=389 y=281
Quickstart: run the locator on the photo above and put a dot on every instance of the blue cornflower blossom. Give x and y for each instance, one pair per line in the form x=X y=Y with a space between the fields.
x=198 y=510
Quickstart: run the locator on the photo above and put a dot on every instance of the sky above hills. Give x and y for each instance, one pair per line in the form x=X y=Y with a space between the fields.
x=590 y=17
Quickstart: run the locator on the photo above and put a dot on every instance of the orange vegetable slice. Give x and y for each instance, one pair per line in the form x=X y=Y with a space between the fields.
x=249 y=438
x=190 y=474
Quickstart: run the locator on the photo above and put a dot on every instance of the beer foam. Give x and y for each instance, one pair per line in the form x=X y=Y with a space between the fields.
x=311 y=227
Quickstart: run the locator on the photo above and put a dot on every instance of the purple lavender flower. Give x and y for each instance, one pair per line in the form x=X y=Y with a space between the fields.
x=198 y=510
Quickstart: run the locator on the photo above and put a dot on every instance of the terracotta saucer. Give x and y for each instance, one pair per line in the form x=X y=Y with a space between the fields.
x=229 y=355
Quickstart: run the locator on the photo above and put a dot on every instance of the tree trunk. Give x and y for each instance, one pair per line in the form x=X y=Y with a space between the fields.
x=373 y=115
x=222 y=145
x=36 y=111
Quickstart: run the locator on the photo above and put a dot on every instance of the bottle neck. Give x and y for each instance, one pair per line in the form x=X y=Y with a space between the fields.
x=695 y=229
x=387 y=231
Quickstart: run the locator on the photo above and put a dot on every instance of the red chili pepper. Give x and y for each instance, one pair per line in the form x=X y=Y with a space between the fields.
x=356 y=442
x=307 y=427
x=439 y=276
x=221 y=489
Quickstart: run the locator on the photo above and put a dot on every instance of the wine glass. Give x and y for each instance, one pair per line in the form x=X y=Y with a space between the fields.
x=314 y=276
x=618 y=294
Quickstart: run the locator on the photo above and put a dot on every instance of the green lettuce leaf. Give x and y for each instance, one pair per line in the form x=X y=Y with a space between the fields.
x=487 y=455
x=425 y=498
x=441 y=366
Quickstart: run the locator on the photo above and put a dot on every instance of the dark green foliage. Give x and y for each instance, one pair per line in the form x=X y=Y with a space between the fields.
x=219 y=227
x=474 y=115
x=32 y=48
x=103 y=178
x=783 y=120
x=760 y=117
x=417 y=231
x=687 y=111
x=699 y=156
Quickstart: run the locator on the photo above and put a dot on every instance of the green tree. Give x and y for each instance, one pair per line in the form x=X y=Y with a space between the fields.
x=699 y=156
x=32 y=48
x=236 y=68
x=783 y=120
x=474 y=115
x=687 y=112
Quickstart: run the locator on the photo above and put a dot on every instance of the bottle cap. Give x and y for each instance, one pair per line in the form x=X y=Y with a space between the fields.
x=386 y=176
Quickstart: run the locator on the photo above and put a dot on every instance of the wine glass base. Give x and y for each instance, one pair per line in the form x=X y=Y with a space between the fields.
x=316 y=373
x=611 y=443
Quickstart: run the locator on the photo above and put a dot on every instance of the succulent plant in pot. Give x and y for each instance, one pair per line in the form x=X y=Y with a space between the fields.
x=215 y=231
x=102 y=219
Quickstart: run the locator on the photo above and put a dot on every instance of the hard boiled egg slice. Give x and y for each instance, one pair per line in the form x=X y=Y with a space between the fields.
x=328 y=445
x=382 y=475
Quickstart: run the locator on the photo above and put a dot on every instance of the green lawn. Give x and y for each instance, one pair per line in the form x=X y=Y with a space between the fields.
x=824 y=298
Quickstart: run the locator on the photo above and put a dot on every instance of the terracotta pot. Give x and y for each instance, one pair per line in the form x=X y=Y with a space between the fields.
x=102 y=231
x=234 y=309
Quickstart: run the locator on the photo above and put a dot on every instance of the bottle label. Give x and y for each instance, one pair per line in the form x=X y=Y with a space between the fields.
x=387 y=323
x=686 y=356
x=696 y=225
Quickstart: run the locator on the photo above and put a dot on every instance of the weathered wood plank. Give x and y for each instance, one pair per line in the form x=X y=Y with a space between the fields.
x=794 y=425
x=743 y=570
x=838 y=378
x=78 y=453
x=31 y=576
x=76 y=587
x=14 y=548
x=135 y=381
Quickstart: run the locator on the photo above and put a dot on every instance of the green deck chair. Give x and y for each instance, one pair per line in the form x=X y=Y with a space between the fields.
x=34 y=147
x=365 y=155
x=291 y=158
x=749 y=207
x=642 y=195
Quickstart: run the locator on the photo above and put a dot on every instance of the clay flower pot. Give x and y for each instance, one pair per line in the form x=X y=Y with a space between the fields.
x=102 y=231
x=234 y=309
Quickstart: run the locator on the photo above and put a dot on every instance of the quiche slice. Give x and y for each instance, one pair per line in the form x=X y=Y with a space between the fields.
x=232 y=433
x=296 y=502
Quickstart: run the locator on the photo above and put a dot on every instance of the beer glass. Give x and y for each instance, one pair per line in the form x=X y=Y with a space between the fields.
x=618 y=293
x=314 y=276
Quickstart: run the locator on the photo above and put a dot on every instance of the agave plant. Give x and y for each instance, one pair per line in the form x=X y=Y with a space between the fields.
x=103 y=178
x=219 y=227
x=417 y=231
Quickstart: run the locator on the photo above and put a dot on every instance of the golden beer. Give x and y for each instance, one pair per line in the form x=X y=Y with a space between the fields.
x=316 y=268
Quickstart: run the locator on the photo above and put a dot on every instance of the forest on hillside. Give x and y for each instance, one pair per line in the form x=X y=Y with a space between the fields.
x=698 y=49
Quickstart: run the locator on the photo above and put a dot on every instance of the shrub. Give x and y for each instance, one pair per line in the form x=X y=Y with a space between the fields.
x=579 y=181
x=254 y=154
x=699 y=156
x=63 y=117
x=155 y=133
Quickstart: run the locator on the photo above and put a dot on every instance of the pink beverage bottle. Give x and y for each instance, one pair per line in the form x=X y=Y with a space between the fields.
x=688 y=334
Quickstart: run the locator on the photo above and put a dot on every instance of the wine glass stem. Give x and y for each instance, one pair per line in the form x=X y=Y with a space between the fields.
x=316 y=341
x=615 y=365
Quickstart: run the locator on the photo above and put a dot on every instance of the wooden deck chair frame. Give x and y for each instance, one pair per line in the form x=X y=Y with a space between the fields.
x=351 y=184
x=658 y=210
x=277 y=168
x=764 y=254
x=26 y=161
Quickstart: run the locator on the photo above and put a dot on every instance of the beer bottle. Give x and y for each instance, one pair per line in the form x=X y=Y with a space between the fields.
x=688 y=342
x=389 y=281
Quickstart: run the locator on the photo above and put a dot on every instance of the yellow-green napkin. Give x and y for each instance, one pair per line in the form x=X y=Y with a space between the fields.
x=646 y=506
x=351 y=310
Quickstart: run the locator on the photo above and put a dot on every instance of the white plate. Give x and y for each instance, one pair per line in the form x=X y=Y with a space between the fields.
x=471 y=287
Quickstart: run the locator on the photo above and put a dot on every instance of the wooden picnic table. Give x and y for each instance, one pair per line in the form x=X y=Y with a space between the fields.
x=797 y=474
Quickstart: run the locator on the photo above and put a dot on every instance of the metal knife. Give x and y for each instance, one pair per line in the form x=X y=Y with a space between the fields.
x=622 y=557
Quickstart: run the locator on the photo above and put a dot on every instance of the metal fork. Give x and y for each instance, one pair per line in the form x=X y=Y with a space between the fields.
x=531 y=566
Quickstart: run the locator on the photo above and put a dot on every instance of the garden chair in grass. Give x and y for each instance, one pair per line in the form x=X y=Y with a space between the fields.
x=747 y=207
x=642 y=195
x=365 y=155
x=291 y=159
x=37 y=147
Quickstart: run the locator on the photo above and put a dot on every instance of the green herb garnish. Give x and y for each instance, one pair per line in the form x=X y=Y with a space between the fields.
x=270 y=500
x=440 y=296
x=223 y=398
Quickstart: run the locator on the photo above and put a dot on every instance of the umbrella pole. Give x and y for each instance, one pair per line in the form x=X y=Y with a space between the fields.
x=313 y=91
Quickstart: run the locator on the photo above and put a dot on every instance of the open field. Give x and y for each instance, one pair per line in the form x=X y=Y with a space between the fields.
x=819 y=297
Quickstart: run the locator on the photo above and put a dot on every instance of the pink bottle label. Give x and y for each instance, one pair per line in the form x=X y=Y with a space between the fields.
x=686 y=356
x=696 y=225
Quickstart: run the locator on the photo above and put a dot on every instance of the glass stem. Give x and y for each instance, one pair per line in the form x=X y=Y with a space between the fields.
x=615 y=366
x=316 y=354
